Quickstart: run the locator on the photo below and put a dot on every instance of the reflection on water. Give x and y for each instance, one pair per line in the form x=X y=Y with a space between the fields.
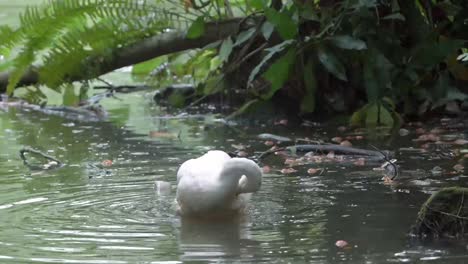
x=208 y=240
x=91 y=211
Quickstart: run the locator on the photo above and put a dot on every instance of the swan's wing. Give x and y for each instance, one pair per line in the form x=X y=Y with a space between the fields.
x=204 y=168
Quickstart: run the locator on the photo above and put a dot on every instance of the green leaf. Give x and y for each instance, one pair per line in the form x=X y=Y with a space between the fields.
x=310 y=82
x=372 y=115
x=429 y=53
x=257 y=4
x=278 y=73
x=377 y=74
x=244 y=36
x=331 y=63
x=215 y=63
x=385 y=117
x=177 y=100
x=348 y=42
x=395 y=6
x=69 y=96
x=359 y=116
x=283 y=22
x=146 y=67
x=267 y=30
x=396 y=16
x=244 y=108
x=213 y=84
x=226 y=49
x=271 y=51
x=197 y=28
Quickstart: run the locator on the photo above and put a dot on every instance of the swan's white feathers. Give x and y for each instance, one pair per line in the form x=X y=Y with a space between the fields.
x=215 y=183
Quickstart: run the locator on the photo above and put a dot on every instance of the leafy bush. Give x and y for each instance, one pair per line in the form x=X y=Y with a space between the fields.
x=377 y=59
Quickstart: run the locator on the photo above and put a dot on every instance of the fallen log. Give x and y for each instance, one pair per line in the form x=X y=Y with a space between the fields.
x=162 y=44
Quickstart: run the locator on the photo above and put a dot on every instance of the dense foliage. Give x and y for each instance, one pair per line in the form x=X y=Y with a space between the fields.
x=377 y=59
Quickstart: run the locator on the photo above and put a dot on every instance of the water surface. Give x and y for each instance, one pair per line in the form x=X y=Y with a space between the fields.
x=89 y=213
x=85 y=212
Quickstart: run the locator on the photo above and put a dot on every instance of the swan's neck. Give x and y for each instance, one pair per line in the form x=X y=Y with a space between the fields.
x=242 y=174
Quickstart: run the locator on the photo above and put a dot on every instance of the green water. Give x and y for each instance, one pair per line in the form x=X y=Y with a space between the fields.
x=87 y=213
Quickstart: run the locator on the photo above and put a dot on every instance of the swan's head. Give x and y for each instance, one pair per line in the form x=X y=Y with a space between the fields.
x=247 y=172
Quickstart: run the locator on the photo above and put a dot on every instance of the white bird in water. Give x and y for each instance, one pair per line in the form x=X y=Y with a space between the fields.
x=216 y=185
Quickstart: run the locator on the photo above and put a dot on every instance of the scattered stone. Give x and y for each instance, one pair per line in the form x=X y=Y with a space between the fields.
x=268 y=136
x=403 y=132
x=459 y=168
x=337 y=139
x=449 y=137
x=106 y=163
x=283 y=122
x=436 y=171
x=420 y=130
x=266 y=169
x=342 y=128
x=346 y=143
x=242 y=153
x=461 y=141
x=341 y=243
x=288 y=170
x=360 y=162
x=312 y=171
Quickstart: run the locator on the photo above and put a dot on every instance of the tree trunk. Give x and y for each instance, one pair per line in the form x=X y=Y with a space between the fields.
x=162 y=44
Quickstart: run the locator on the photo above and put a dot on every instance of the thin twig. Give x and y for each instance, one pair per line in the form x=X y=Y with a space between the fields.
x=51 y=159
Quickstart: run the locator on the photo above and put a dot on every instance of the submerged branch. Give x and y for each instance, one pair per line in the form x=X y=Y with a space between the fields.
x=162 y=44
x=338 y=149
x=52 y=162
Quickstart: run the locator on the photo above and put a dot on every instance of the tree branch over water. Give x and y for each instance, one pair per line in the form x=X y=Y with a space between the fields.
x=162 y=44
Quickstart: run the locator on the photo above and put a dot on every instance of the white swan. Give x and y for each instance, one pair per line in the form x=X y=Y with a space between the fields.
x=216 y=185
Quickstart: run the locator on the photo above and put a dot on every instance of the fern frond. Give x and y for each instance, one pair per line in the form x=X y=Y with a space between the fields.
x=63 y=33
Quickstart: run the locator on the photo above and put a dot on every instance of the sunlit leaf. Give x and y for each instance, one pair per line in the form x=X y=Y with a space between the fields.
x=463 y=57
x=146 y=67
x=331 y=63
x=197 y=28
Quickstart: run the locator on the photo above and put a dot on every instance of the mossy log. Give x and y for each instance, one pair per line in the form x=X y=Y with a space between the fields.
x=444 y=214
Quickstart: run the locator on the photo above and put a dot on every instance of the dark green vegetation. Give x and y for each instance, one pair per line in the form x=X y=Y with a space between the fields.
x=444 y=214
x=374 y=59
